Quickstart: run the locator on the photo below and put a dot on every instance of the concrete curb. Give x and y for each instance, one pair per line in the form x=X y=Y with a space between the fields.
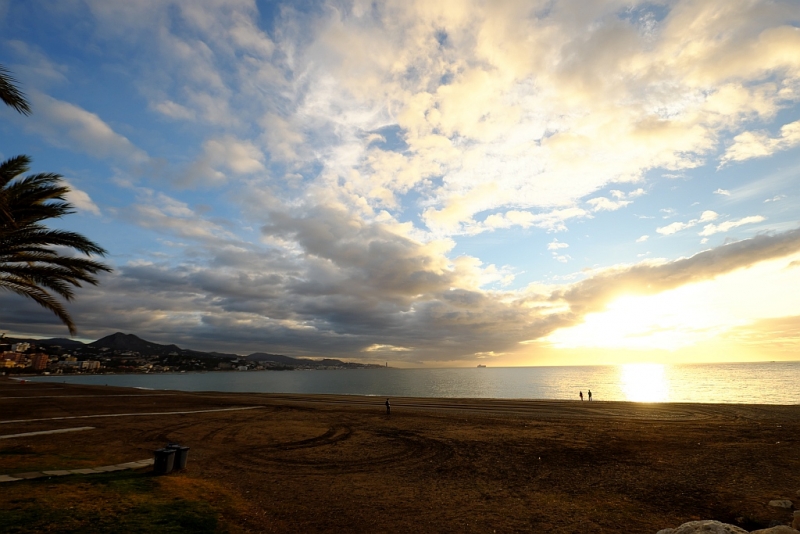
x=85 y=471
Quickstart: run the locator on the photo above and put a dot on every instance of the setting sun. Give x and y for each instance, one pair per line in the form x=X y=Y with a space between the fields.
x=644 y=382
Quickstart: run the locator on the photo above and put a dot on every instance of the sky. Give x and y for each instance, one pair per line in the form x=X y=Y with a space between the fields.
x=554 y=182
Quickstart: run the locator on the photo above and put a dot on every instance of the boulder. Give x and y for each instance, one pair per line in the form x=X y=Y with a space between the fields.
x=704 y=527
x=781 y=503
x=782 y=529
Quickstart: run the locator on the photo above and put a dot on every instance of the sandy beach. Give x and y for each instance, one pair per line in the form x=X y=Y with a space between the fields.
x=293 y=463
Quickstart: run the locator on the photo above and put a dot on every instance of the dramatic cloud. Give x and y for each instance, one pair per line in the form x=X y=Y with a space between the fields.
x=650 y=278
x=386 y=180
x=371 y=291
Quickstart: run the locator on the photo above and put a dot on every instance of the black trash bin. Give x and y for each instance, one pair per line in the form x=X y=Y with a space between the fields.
x=164 y=461
x=181 y=455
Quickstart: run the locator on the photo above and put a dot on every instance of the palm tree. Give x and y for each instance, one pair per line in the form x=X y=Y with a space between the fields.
x=29 y=266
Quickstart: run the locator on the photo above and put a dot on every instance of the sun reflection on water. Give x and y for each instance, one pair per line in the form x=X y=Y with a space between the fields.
x=644 y=382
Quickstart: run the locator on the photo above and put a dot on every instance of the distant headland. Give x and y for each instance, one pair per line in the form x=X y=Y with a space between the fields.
x=128 y=353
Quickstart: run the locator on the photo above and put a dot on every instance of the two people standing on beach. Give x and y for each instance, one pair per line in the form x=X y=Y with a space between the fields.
x=580 y=394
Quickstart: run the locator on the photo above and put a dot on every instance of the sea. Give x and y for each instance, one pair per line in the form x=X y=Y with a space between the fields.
x=739 y=383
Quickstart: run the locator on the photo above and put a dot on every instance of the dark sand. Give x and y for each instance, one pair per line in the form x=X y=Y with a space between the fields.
x=339 y=464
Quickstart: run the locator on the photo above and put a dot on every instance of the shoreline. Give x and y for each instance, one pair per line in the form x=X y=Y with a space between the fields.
x=416 y=400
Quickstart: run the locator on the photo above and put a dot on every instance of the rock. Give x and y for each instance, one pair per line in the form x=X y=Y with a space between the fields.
x=796 y=521
x=704 y=527
x=781 y=503
x=783 y=529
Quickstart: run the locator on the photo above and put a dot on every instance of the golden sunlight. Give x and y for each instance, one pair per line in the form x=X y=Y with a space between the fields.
x=690 y=314
x=644 y=382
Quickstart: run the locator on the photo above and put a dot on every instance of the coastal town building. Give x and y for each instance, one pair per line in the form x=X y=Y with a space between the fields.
x=16 y=357
x=89 y=365
x=39 y=361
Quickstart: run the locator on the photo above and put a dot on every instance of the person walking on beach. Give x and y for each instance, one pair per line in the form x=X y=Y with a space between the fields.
x=590 y=394
x=581 y=395
x=388 y=407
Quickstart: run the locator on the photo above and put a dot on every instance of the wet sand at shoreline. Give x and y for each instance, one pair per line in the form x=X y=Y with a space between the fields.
x=322 y=463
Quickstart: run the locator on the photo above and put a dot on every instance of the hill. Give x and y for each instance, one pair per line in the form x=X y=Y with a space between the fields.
x=277 y=358
x=56 y=341
x=125 y=342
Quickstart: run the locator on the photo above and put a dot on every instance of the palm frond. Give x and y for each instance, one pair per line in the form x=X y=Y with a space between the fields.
x=41 y=297
x=37 y=236
x=10 y=94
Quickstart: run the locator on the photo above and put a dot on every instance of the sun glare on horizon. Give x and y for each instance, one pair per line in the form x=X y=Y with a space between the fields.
x=644 y=382
x=690 y=314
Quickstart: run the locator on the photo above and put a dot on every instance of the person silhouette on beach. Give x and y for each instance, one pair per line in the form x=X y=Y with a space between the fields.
x=388 y=407
x=581 y=395
x=590 y=394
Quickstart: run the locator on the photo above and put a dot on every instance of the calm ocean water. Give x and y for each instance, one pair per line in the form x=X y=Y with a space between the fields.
x=762 y=383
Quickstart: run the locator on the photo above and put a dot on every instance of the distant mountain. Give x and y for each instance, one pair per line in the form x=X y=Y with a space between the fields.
x=129 y=342
x=330 y=362
x=120 y=341
x=212 y=354
x=277 y=358
x=288 y=360
x=60 y=341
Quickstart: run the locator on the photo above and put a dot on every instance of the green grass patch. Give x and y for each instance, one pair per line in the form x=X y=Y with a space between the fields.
x=131 y=502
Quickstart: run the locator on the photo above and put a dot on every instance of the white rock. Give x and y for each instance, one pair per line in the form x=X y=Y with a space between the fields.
x=705 y=527
x=781 y=503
